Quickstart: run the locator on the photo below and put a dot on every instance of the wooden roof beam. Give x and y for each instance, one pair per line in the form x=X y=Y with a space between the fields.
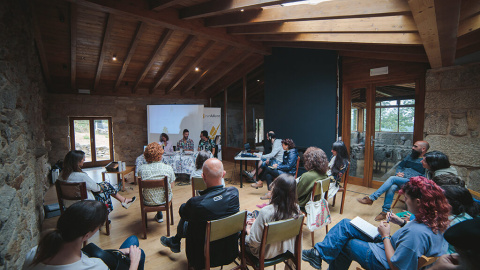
x=386 y=56
x=469 y=25
x=469 y=8
x=175 y=58
x=103 y=51
x=397 y=23
x=369 y=38
x=162 y=4
x=41 y=49
x=161 y=43
x=131 y=51
x=224 y=55
x=239 y=59
x=73 y=46
x=217 y=7
x=323 y=10
x=184 y=73
x=168 y=18
x=437 y=23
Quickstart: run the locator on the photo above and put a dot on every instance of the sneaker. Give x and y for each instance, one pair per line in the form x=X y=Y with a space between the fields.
x=248 y=174
x=381 y=216
x=168 y=242
x=365 y=200
x=159 y=219
x=312 y=257
x=127 y=205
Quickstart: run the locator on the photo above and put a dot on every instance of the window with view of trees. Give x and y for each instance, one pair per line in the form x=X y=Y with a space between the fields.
x=395 y=115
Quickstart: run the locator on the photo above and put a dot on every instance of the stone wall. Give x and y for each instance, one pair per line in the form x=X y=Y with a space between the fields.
x=452 y=118
x=23 y=160
x=129 y=119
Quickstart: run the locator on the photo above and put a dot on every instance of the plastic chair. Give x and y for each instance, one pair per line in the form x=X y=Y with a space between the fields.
x=222 y=228
x=422 y=262
x=75 y=191
x=197 y=184
x=316 y=193
x=167 y=206
x=343 y=189
x=298 y=163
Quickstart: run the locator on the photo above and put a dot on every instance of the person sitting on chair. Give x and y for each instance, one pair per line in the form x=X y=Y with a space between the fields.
x=96 y=190
x=201 y=158
x=409 y=167
x=337 y=166
x=345 y=243
x=156 y=169
x=185 y=143
x=215 y=202
x=436 y=163
x=61 y=248
x=275 y=156
x=206 y=143
x=165 y=143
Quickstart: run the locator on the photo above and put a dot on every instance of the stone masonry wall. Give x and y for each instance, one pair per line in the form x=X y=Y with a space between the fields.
x=23 y=159
x=452 y=118
x=129 y=119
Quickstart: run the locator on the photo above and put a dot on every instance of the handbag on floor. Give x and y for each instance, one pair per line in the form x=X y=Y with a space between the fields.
x=114 y=259
x=318 y=213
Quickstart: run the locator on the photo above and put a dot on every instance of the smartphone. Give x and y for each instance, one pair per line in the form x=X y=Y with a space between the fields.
x=403 y=214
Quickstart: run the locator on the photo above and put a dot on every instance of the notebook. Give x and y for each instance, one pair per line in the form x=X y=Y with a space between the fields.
x=365 y=227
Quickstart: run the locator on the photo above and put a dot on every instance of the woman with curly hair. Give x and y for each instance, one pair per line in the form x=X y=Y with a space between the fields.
x=155 y=169
x=288 y=165
x=423 y=236
x=316 y=163
x=96 y=190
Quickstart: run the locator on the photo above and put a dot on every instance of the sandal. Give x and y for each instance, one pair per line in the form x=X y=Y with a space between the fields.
x=127 y=205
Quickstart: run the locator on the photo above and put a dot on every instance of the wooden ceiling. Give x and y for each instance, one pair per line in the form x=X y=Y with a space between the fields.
x=159 y=43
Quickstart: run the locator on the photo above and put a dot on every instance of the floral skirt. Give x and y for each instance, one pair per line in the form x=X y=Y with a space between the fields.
x=104 y=196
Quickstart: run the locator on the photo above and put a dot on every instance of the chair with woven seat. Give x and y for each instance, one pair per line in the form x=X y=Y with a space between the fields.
x=73 y=191
x=197 y=185
x=275 y=232
x=422 y=262
x=343 y=189
x=320 y=187
x=222 y=228
x=167 y=206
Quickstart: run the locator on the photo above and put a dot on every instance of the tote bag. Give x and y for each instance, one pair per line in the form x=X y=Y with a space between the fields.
x=318 y=214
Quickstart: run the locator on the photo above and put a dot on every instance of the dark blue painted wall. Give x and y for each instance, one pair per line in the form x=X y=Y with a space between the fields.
x=300 y=96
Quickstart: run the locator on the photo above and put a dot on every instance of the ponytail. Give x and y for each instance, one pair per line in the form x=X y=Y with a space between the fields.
x=49 y=245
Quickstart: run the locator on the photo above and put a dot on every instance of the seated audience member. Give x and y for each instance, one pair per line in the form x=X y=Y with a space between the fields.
x=201 y=158
x=316 y=163
x=465 y=237
x=185 y=143
x=61 y=248
x=155 y=169
x=337 y=166
x=283 y=205
x=275 y=156
x=344 y=243
x=215 y=202
x=437 y=163
x=96 y=190
x=409 y=167
x=463 y=206
x=448 y=179
x=267 y=144
x=205 y=143
x=288 y=165
x=166 y=143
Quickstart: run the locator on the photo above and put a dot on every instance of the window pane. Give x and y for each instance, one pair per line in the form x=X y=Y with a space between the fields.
x=354 y=117
x=82 y=137
x=389 y=119
x=407 y=117
x=389 y=103
x=378 y=111
x=407 y=102
x=102 y=140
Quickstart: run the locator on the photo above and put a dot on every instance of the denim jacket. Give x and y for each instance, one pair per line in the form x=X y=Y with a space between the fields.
x=289 y=164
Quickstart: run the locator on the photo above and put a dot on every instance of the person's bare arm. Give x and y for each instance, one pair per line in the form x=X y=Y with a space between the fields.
x=384 y=230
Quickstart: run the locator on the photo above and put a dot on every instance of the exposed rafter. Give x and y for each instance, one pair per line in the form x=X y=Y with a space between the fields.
x=162 y=4
x=103 y=51
x=41 y=49
x=161 y=43
x=370 y=38
x=469 y=25
x=398 y=23
x=217 y=7
x=225 y=54
x=175 y=58
x=73 y=46
x=469 y=8
x=131 y=50
x=386 y=56
x=437 y=23
x=322 y=10
x=184 y=73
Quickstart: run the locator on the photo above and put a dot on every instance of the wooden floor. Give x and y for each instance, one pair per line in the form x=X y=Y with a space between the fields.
x=126 y=222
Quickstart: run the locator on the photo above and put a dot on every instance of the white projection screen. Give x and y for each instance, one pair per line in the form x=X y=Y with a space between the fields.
x=173 y=119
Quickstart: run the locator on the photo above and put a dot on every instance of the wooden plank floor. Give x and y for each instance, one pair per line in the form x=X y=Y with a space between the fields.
x=126 y=222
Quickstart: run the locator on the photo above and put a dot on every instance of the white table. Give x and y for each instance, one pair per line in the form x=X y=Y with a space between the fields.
x=257 y=158
x=181 y=162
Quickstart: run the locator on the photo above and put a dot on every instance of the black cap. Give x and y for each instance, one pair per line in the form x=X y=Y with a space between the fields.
x=464 y=235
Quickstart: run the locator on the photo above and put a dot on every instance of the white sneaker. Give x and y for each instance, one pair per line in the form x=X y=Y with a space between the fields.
x=159 y=220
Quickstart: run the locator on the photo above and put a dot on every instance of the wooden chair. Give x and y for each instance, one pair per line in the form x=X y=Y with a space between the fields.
x=343 y=189
x=275 y=232
x=396 y=200
x=422 y=262
x=75 y=191
x=298 y=163
x=167 y=206
x=222 y=228
x=316 y=193
x=197 y=184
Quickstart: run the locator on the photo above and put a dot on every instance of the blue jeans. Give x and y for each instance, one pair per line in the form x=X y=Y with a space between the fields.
x=343 y=244
x=133 y=241
x=392 y=184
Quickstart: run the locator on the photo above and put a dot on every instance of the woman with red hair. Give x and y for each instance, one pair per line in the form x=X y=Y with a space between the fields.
x=423 y=236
